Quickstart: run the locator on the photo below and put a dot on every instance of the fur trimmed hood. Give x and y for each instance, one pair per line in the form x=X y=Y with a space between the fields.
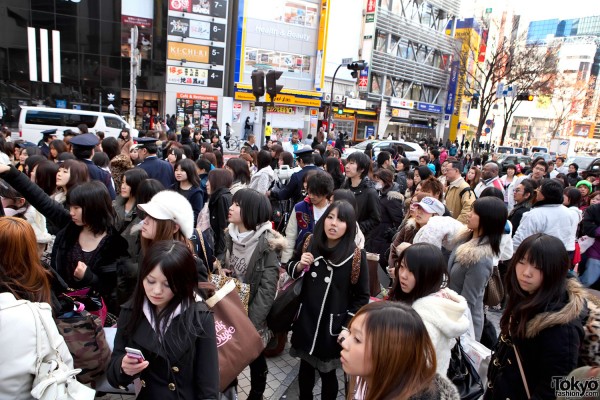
x=394 y=195
x=470 y=252
x=445 y=310
x=572 y=310
x=275 y=241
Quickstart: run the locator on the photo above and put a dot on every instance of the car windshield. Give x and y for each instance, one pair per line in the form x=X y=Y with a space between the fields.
x=582 y=162
x=363 y=145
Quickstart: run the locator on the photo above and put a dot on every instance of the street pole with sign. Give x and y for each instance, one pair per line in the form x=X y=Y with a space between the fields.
x=352 y=66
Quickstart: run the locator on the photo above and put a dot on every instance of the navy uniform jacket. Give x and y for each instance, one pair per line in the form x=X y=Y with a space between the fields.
x=45 y=149
x=98 y=174
x=293 y=190
x=160 y=170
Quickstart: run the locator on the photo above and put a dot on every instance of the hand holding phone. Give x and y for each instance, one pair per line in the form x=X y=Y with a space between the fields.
x=133 y=363
x=135 y=353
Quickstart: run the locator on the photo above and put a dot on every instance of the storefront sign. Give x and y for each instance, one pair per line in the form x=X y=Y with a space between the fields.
x=195 y=53
x=213 y=8
x=428 y=107
x=196 y=29
x=402 y=103
x=281 y=99
x=281 y=109
x=194 y=76
x=288 y=34
x=370 y=18
x=397 y=113
x=371 y=6
x=194 y=96
x=356 y=103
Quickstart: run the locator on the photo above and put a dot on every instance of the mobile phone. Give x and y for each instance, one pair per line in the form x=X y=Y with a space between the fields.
x=135 y=353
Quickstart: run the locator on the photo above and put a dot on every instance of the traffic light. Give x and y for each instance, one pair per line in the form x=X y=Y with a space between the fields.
x=475 y=101
x=356 y=66
x=258 y=83
x=273 y=88
x=525 y=97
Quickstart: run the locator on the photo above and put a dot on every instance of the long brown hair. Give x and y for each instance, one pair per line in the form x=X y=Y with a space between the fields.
x=21 y=272
x=401 y=352
x=164 y=231
x=477 y=178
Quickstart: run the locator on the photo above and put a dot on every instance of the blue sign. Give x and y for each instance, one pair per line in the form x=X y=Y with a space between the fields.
x=428 y=107
x=61 y=104
x=370 y=130
x=452 y=84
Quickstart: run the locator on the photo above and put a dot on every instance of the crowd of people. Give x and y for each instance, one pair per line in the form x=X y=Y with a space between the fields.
x=396 y=258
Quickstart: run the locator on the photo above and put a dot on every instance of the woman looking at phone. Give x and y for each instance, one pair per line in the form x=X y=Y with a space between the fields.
x=169 y=325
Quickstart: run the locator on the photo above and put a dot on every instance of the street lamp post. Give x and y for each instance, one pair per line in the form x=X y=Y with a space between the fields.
x=354 y=66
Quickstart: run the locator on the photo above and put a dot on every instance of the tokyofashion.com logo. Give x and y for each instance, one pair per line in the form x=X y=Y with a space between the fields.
x=572 y=388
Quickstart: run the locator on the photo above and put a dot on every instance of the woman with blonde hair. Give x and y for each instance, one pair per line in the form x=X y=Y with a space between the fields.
x=388 y=354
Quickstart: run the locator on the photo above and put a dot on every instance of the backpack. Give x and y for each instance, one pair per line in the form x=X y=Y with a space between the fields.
x=589 y=352
x=465 y=190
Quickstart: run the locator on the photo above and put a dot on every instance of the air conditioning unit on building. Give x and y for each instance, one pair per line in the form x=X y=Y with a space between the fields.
x=338 y=98
x=327 y=97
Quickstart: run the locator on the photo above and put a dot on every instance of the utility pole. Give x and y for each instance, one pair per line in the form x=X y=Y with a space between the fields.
x=354 y=66
x=135 y=71
x=258 y=90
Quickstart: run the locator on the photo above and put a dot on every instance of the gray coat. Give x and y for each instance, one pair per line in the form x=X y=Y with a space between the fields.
x=470 y=267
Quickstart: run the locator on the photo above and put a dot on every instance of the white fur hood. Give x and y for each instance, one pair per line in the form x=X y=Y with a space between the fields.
x=445 y=310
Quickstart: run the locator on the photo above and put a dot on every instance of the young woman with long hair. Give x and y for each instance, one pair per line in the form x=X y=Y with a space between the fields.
x=187 y=184
x=125 y=203
x=219 y=201
x=333 y=168
x=57 y=147
x=472 y=260
x=540 y=325
x=241 y=173
x=254 y=247
x=330 y=296
x=388 y=355
x=169 y=323
x=70 y=173
x=473 y=177
x=421 y=280
x=87 y=248
x=22 y=277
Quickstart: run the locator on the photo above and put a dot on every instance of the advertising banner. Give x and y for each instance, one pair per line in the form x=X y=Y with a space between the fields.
x=195 y=53
x=194 y=76
x=212 y=8
x=196 y=29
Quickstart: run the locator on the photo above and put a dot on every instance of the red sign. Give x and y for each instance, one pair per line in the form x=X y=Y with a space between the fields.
x=180 y=5
x=192 y=96
x=363 y=81
x=371 y=6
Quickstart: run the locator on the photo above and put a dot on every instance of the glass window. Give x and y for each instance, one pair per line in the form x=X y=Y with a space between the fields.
x=42 y=20
x=113 y=122
x=44 y=118
x=76 y=119
x=89 y=36
x=68 y=33
x=110 y=71
x=110 y=39
x=361 y=132
x=37 y=5
x=110 y=10
x=407 y=147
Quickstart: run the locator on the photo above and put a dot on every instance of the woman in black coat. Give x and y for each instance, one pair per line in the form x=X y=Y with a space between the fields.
x=217 y=187
x=87 y=250
x=171 y=326
x=541 y=324
x=336 y=285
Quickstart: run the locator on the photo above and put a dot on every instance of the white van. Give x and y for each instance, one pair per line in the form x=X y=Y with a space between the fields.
x=34 y=120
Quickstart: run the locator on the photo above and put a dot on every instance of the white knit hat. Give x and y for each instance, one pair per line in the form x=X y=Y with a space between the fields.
x=170 y=205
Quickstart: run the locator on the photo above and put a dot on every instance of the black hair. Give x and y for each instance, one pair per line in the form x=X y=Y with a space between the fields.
x=45 y=176
x=332 y=165
x=492 y=215
x=529 y=186
x=382 y=157
x=573 y=164
x=492 y=192
x=178 y=265
x=133 y=178
x=187 y=151
x=82 y=153
x=147 y=189
x=66 y=156
x=203 y=163
x=435 y=153
x=239 y=167
x=541 y=162
x=100 y=159
x=307 y=158
x=32 y=161
x=574 y=196
x=189 y=167
x=424 y=172
x=263 y=159
x=549 y=255
x=320 y=184
x=177 y=152
x=321 y=149
x=220 y=178
x=318 y=160
x=428 y=265
x=362 y=161
x=110 y=146
x=346 y=195
x=255 y=207
x=185 y=132
x=552 y=191
x=287 y=158
x=346 y=245
x=98 y=213
x=405 y=162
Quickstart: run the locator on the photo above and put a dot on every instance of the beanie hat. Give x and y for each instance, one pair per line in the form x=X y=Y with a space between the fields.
x=586 y=183
x=170 y=205
x=431 y=168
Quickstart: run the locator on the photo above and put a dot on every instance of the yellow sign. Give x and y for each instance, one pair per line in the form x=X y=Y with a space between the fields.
x=188 y=52
x=281 y=109
x=281 y=99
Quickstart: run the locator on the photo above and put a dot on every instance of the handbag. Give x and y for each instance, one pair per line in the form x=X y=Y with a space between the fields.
x=463 y=374
x=494 y=290
x=54 y=379
x=84 y=335
x=91 y=300
x=373 y=264
x=238 y=342
x=285 y=308
x=220 y=280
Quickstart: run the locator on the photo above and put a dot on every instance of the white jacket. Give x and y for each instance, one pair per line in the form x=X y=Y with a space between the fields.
x=444 y=316
x=18 y=338
x=552 y=219
x=263 y=178
x=439 y=231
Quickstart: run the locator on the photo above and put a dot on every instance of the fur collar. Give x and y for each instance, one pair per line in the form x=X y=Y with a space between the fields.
x=274 y=240
x=395 y=195
x=469 y=252
x=571 y=311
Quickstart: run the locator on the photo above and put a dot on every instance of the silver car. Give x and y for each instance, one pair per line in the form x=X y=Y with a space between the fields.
x=412 y=150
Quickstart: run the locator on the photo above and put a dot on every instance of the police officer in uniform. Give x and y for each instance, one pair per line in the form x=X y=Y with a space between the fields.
x=49 y=135
x=156 y=168
x=293 y=190
x=83 y=149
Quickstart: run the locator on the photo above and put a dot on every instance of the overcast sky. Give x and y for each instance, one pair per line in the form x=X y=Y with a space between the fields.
x=539 y=9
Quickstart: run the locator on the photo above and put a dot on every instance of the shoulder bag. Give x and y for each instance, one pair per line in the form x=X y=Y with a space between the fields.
x=494 y=290
x=463 y=374
x=54 y=379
